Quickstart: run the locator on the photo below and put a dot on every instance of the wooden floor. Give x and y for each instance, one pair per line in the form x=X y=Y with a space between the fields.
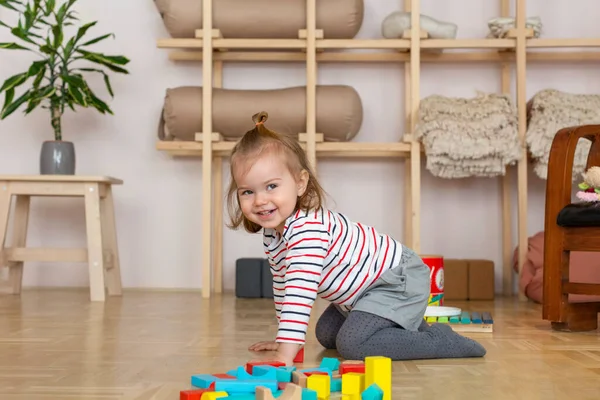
x=146 y=345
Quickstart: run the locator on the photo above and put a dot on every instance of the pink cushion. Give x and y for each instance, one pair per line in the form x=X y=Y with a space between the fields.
x=584 y=268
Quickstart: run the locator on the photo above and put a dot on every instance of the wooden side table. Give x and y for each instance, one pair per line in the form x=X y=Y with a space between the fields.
x=101 y=254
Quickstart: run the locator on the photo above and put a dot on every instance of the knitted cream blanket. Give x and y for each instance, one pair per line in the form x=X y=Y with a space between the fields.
x=468 y=137
x=552 y=111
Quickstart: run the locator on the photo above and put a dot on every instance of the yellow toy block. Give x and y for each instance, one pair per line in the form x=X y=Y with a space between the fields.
x=213 y=395
x=378 y=370
x=353 y=383
x=320 y=384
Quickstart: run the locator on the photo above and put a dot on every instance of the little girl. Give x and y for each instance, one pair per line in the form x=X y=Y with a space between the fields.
x=378 y=288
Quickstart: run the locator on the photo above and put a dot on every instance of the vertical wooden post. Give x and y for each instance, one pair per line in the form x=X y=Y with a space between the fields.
x=408 y=128
x=207 y=55
x=415 y=149
x=521 y=54
x=218 y=199
x=507 y=271
x=311 y=82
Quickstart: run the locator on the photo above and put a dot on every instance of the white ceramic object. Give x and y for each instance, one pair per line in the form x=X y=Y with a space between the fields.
x=500 y=26
x=442 y=311
x=394 y=25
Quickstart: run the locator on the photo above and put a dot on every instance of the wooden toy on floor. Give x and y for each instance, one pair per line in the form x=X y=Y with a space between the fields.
x=465 y=322
x=370 y=379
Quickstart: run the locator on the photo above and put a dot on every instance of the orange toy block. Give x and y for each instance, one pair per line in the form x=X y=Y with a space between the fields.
x=300 y=356
x=192 y=394
x=250 y=366
x=309 y=373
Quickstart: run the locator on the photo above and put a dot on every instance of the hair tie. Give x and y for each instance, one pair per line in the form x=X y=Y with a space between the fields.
x=260 y=123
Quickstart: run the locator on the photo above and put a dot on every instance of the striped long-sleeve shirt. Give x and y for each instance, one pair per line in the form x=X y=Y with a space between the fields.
x=322 y=253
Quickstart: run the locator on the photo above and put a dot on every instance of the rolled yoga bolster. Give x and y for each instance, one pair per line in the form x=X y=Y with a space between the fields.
x=262 y=19
x=339 y=112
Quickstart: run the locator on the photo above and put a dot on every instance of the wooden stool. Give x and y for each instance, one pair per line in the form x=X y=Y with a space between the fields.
x=102 y=253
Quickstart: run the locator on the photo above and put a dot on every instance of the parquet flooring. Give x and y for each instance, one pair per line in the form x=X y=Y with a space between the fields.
x=55 y=344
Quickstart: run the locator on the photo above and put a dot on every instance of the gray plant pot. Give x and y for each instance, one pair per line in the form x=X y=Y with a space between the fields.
x=57 y=158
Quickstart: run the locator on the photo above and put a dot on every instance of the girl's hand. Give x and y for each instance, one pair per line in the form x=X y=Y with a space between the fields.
x=264 y=346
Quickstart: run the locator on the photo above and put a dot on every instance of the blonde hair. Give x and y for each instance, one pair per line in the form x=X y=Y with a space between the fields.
x=254 y=143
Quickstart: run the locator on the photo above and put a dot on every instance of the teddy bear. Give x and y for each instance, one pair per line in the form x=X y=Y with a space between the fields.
x=590 y=187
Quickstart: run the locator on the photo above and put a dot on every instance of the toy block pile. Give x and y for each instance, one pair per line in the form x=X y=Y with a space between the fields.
x=370 y=379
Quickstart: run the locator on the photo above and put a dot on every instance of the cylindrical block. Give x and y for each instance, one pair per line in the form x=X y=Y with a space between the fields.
x=339 y=112
x=263 y=19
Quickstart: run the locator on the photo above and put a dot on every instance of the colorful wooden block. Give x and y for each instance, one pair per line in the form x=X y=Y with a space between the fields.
x=351 y=366
x=353 y=383
x=336 y=385
x=330 y=363
x=378 y=370
x=246 y=386
x=213 y=395
x=194 y=394
x=373 y=392
x=487 y=318
x=315 y=370
x=251 y=365
x=320 y=384
x=299 y=356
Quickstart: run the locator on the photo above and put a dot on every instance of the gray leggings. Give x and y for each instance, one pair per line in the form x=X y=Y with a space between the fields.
x=363 y=334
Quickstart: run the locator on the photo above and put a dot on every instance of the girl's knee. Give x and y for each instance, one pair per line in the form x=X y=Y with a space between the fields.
x=348 y=345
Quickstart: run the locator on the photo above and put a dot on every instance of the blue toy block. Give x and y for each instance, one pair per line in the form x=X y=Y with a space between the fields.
x=373 y=392
x=203 y=381
x=309 y=394
x=283 y=375
x=476 y=317
x=487 y=318
x=232 y=386
x=265 y=372
x=330 y=363
x=336 y=385
x=465 y=318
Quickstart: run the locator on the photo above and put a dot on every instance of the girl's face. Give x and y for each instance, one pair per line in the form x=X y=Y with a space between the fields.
x=268 y=191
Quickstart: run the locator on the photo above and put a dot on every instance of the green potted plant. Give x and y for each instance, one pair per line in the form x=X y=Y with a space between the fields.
x=55 y=80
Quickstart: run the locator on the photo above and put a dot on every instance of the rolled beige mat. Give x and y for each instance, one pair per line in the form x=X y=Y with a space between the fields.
x=339 y=19
x=338 y=112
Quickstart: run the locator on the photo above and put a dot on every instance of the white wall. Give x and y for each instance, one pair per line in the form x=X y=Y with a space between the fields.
x=159 y=206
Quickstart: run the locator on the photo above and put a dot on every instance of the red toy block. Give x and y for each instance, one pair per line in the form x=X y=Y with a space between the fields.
x=195 y=394
x=300 y=356
x=282 y=385
x=250 y=365
x=309 y=373
x=352 y=367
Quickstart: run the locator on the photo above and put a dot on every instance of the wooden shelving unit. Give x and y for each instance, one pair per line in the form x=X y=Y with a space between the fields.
x=411 y=51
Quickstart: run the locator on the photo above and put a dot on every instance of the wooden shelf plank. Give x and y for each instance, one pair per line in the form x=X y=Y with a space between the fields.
x=571 y=42
x=363 y=44
x=468 y=44
x=323 y=149
x=388 y=56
